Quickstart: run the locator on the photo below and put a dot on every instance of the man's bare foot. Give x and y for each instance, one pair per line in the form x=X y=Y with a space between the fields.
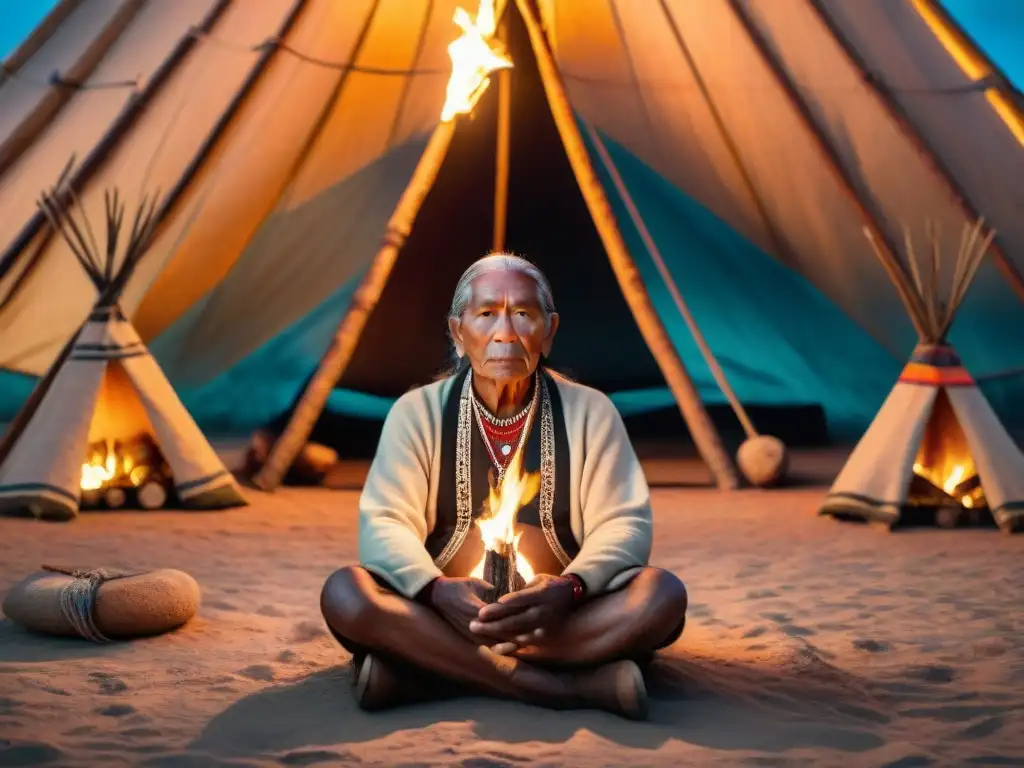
x=617 y=688
x=382 y=684
x=375 y=685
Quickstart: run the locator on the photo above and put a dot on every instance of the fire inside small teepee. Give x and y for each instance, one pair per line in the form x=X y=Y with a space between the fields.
x=502 y=565
x=123 y=466
x=944 y=470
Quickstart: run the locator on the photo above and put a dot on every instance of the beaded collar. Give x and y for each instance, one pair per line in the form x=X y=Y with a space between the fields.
x=524 y=419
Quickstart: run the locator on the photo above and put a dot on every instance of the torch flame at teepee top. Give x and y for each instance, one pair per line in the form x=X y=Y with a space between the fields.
x=473 y=60
x=498 y=527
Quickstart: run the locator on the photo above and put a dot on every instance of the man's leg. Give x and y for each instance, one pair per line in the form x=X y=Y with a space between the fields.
x=646 y=614
x=374 y=617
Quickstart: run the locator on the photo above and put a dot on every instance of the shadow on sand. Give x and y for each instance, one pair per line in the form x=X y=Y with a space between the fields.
x=705 y=702
x=14 y=648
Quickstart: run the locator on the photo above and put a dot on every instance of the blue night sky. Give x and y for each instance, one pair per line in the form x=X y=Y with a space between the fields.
x=997 y=25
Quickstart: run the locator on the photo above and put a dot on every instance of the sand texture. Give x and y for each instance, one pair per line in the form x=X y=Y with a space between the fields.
x=809 y=643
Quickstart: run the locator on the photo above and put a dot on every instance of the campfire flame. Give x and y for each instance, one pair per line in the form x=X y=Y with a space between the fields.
x=475 y=55
x=952 y=480
x=498 y=528
x=105 y=466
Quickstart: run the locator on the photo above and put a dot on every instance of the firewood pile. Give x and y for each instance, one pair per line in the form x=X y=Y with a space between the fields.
x=963 y=505
x=126 y=474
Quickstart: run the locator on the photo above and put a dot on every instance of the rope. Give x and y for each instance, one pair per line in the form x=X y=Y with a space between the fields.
x=57 y=80
x=78 y=599
x=652 y=249
x=1007 y=374
x=273 y=42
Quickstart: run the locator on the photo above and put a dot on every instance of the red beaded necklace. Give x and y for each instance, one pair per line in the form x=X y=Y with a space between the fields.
x=503 y=437
x=502 y=441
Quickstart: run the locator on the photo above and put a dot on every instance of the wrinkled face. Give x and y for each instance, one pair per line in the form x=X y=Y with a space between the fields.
x=502 y=331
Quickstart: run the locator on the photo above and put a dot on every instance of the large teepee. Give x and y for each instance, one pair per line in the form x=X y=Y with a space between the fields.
x=105 y=390
x=936 y=443
x=747 y=140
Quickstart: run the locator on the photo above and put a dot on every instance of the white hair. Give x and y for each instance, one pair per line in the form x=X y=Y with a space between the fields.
x=501 y=262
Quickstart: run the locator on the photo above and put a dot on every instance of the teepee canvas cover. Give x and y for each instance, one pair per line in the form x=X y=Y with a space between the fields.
x=936 y=435
x=107 y=386
x=287 y=131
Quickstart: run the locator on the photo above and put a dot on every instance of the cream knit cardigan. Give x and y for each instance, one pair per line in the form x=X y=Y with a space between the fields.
x=608 y=494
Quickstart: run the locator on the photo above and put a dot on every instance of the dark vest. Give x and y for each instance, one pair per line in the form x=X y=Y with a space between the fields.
x=544 y=558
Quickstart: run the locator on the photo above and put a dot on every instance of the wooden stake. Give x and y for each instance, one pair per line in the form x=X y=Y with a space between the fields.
x=502 y=149
x=346 y=337
x=706 y=437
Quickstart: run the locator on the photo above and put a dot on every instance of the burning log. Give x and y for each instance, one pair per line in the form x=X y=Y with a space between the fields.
x=956 y=495
x=152 y=495
x=502 y=565
x=115 y=497
x=119 y=472
x=91 y=498
x=501 y=569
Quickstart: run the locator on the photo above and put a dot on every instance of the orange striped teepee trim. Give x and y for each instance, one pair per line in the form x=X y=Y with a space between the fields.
x=921 y=373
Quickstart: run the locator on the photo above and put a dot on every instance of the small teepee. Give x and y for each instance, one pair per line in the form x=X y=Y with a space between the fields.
x=936 y=444
x=103 y=394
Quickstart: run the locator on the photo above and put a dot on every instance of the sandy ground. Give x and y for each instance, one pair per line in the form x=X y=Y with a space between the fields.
x=809 y=643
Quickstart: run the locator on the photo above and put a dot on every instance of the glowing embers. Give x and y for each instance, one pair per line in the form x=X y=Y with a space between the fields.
x=945 y=480
x=118 y=474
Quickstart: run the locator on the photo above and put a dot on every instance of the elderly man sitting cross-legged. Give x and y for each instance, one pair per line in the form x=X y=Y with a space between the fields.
x=415 y=620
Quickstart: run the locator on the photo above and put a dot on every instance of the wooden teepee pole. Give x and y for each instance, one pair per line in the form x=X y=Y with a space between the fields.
x=1006 y=100
x=706 y=437
x=346 y=337
x=502 y=149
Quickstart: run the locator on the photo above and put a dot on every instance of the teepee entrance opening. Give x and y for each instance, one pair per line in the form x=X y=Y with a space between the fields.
x=123 y=464
x=547 y=221
x=555 y=209
x=945 y=481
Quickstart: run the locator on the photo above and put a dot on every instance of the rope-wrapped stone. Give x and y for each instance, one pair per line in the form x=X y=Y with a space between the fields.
x=102 y=605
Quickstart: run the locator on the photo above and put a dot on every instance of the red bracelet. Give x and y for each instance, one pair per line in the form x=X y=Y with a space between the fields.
x=579 y=589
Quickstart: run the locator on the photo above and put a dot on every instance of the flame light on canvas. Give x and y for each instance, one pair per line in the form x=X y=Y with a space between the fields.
x=498 y=526
x=475 y=56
